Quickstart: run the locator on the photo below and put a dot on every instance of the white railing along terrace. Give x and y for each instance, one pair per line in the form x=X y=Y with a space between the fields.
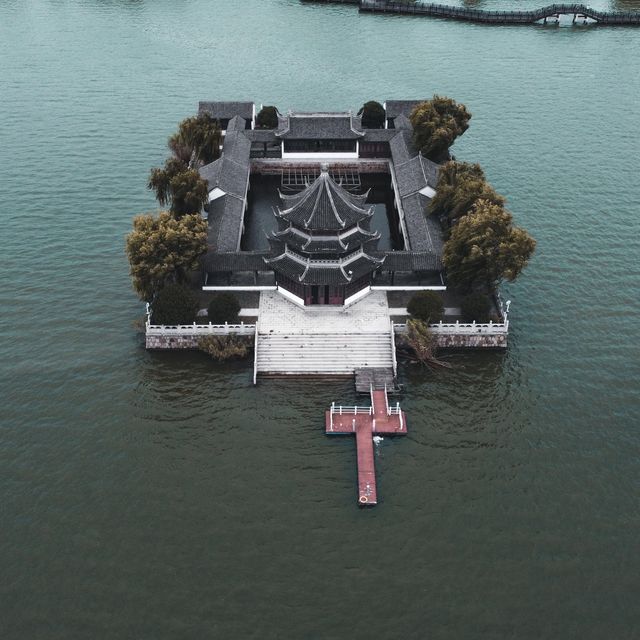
x=194 y=329
x=462 y=328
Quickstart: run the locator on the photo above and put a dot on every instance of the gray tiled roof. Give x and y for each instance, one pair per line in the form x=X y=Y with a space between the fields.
x=235 y=261
x=423 y=230
x=310 y=244
x=415 y=174
x=227 y=110
x=324 y=206
x=401 y=146
x=402 y=122
x=261 y=135
x=379 y=135
x=308 y=272
x=409 y=260
x=230 y=173
x=401 y=107
x=298 y=126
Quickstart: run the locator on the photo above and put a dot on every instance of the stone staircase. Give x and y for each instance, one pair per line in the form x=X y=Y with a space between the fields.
x=322 y=353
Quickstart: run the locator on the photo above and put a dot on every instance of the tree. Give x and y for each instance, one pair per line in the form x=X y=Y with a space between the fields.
x=423 y=343
x=174 y=304
x=162 y=249
x=224 y=307
x=485 y=248
x=179 y=187
x=200 y=137
x=476 y=307
x=436 y=125
x=460 y=186
x=267 y=118
x=373 y=115
x=426 y=306
x=160 y=179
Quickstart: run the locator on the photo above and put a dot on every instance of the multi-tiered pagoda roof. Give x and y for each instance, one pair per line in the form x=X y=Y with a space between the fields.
x=324 y=235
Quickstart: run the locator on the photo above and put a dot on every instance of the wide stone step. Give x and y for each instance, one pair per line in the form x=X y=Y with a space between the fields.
x=325 y=353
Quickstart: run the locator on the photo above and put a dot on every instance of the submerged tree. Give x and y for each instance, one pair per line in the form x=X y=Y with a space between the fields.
x=223 y=348
x=267 y=118
x=436 y=125
x=179 y=187
x=162 y=249
x=423 y=343
x=373 y=115
x=486 y=248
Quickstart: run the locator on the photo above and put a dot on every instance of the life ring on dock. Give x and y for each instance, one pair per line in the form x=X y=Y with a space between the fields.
x=363 y=500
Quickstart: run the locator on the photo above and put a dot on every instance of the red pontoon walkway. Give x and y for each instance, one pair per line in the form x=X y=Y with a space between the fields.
x=365 y=423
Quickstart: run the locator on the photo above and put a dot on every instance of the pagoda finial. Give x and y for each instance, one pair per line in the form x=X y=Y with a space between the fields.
x=324 y=167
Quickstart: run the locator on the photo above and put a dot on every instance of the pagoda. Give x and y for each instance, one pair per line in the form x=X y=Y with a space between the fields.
x=321 y=249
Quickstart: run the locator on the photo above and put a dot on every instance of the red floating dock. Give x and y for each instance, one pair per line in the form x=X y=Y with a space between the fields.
x=365 y=423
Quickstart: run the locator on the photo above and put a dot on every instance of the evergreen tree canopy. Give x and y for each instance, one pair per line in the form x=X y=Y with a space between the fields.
x=485 y=248
x=200 y=137
x=179 y=187
x=174 y=304
x=373 y=115
x=436 y=125
x=460 y=186
x=162 y=249
x=267 y=118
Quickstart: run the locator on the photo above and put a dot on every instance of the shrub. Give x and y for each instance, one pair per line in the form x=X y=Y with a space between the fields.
x=373 y=115
x=174 y=304
x=225 y=347
x=224 y=307
x=426 y=306
x=476 y=306
x=267 y=118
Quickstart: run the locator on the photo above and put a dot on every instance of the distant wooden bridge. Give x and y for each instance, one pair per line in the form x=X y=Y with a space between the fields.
x=544 y=15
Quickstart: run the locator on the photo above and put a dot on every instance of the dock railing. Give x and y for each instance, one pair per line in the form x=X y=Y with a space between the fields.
x=255 y=355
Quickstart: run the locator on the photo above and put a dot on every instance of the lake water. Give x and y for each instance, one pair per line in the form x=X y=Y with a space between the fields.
x=161 y=496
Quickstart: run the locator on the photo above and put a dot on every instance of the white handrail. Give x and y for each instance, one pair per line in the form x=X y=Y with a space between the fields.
x=200 y=329
x=393 y=352
x=255 y=356
x=457 y=328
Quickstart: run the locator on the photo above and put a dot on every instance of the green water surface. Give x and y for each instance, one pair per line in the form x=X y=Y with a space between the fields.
x=159 y=496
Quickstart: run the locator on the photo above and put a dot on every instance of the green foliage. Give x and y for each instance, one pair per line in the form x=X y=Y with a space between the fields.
x=174 y=304
x=179 y=187
x=162 y=249
x=200 y=136
x=267 y=118
x=460 y=186
x=476 y=306
x=485 y=248
x=426 y=306
x=224 y=307
x=436 y=125
x=373 y=115
x=222 y=348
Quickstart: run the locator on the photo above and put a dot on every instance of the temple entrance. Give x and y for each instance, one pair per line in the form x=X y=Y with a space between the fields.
x=323 y=294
